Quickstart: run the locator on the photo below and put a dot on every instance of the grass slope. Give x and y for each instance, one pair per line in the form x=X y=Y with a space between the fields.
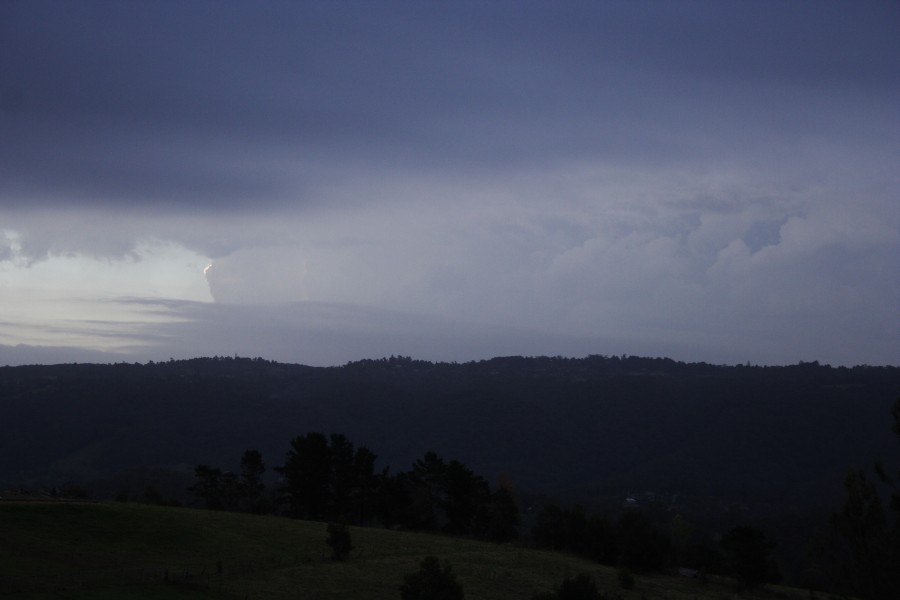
x=106 y=550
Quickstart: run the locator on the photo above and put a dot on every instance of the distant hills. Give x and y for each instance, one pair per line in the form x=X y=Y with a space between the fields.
x=603 y=426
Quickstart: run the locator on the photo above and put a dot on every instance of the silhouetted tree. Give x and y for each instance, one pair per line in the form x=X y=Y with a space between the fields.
x=250 y=483
x=218 y=490
x=642 y=547
x=450 y=497
x=431 y=582
x=601 y=540
x=575 y=531
x=393 y=501
x=681 y=532
x=207 y=486
x=704 y=557
x=864 y=549
x=577 y=534
x=326 y=478
x=307 y=474
x=152 y=496
x=499 y=518
x=747 y=555
x=366 y=484
x=550 y=528
x=343 y=476
x=426 y=492
x=464 y=494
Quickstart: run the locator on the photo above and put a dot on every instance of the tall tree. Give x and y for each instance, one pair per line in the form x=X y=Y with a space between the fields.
x=864 y=549
x=218 y=490
x=550 y=528
x=465 y=495
x=307 y=475
x=327 y=478
x=499 y=518
x=365 y=486
x=642 y=546
x=251 y=481
x=343 y=475
x=747 y=553
x=426 y=492
x=449 y=495
x=207 y=486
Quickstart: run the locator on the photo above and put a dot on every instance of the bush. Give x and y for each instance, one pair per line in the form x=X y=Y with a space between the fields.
x=431 y=582
x=626 y=579
x=747 y=550
x=580 y=587
x=339 y=540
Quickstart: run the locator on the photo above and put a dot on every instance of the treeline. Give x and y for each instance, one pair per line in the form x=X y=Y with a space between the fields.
x=634 y=543
x=702 y=438
x=328 y=479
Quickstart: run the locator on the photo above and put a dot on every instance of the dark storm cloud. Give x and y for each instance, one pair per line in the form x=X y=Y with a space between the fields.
x=715 y=178
x=121 y=171
x=113 y=104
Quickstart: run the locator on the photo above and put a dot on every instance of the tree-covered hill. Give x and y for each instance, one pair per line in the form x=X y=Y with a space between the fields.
x=608 y=425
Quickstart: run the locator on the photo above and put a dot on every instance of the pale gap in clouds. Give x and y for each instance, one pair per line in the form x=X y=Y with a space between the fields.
x=74 y=299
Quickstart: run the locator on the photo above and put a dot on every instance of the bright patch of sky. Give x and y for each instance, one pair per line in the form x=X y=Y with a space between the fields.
x=77 y=300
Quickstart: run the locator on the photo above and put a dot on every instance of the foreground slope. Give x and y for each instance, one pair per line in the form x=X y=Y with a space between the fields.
x=105 y=550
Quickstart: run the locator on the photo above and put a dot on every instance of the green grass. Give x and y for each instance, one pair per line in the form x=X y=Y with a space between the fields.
x=100 y=550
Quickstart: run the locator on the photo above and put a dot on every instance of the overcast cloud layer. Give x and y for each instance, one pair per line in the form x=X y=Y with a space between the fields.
x=706 y=180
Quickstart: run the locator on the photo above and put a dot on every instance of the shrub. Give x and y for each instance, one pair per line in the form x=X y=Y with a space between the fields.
x=580 y=587
x=431 y=582
x=339 y=540
x=626 y=578
x=747 y=550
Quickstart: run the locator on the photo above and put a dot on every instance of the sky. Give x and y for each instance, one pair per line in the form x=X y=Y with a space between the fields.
x=320 y=182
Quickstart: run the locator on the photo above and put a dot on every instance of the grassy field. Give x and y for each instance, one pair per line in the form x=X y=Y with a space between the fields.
x=117 y=550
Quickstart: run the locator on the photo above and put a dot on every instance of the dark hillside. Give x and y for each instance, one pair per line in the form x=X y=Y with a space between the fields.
x=553 y=425
x=116 y=550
